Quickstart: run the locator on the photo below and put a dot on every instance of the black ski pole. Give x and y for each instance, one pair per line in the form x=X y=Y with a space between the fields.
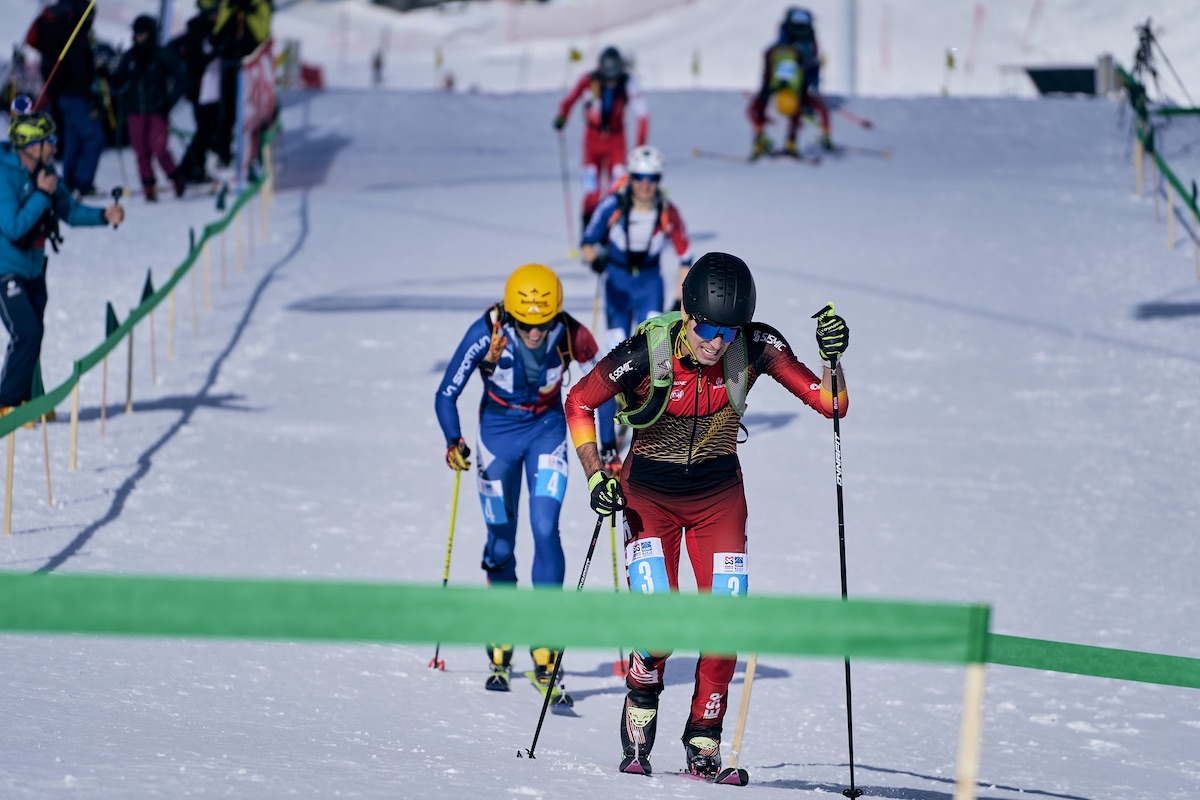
x=587 y=562
x=852 y=792
x=837 y=461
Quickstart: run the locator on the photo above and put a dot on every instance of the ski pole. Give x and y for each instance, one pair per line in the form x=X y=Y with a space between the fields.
x=435 y=663
x=117 y=194
x=620 y=666
x=566 y=182
x=837 y=471
x=112 y=119
x=587 y=562
x=732 y=770
x=82 y=18
x=861 y=122
x=596 y=303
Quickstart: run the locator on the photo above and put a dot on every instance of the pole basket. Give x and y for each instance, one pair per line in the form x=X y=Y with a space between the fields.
x=437 y=663
x=621 y=668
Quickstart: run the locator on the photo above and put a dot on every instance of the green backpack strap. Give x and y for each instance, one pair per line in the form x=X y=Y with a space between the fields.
x=737 y=373
x=662 y=375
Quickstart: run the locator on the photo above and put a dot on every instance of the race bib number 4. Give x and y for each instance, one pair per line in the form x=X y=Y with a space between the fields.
x=731 y=576
x=491 y=496
x=551 y=477
x=647 y=566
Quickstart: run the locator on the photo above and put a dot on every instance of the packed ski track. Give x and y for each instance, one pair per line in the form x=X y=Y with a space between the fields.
x=1024 y=380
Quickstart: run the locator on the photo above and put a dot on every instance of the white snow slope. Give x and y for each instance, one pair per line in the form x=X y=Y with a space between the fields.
x=1022 y=432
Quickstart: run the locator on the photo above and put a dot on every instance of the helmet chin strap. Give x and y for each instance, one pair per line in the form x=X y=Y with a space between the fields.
x=682 y=344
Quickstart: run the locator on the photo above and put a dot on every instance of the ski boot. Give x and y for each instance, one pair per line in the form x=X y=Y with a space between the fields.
x=790 y=148
x=703 y=752
x=762 y=146
x=501 y=664
x=639 y=720
x=826 y=142
x=544 y=661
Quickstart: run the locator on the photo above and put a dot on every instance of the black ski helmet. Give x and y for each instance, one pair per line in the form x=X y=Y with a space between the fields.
x=719 y=288
x=611 y=66
x=144 y=23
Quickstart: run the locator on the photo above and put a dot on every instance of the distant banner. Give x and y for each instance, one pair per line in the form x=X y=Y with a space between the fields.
x=371 y=612
x=256 y=105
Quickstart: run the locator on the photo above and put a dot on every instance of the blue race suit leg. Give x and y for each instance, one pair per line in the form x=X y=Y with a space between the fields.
x=546 y=474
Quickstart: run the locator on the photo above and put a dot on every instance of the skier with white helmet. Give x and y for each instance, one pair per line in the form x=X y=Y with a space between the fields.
x=625 y=239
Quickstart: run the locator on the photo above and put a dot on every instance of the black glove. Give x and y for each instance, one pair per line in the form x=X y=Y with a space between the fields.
x=610 y=459
x=607 y=497
x=559 y=122
x=457 y=454
x=833 y=335
x=599 y=260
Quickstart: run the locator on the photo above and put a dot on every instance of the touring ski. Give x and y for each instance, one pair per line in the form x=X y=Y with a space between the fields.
x=560 y=701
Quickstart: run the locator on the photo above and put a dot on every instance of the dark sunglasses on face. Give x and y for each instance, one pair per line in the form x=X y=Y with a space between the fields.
x=707 y=331
x=525 y=327
x=643 y=176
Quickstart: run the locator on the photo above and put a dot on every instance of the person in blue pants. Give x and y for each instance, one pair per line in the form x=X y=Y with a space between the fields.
x=521 y=347
x=624 y=241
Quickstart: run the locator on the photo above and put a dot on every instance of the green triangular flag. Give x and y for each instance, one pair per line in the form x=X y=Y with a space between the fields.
x=110 y=321
x=38 y=388
x=148 y=289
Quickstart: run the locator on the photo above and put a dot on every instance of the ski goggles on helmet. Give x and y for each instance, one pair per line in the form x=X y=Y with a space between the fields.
x=708 y=331
x=645 y=176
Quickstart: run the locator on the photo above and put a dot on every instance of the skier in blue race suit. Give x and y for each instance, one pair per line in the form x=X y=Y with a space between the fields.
x=624 y=241
x=521 y=347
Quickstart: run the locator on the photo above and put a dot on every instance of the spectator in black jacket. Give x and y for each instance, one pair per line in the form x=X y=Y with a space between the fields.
x=71 y=92
x=150 y=80
x=196 y=48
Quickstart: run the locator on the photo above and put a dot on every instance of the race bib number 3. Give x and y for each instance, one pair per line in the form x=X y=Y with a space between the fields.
x=647 y=566
x=731 y=576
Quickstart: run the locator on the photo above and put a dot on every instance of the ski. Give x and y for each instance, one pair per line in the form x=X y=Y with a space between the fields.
x=498 y=681
x=850 y=149
x=560 y=702
x=635 y=765
x=812 y=161
x=726 y=777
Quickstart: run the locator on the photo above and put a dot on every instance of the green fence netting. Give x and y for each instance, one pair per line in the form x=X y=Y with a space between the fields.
x=382 y=612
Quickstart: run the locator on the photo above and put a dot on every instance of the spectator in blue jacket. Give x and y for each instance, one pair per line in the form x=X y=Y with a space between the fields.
x=32 y=202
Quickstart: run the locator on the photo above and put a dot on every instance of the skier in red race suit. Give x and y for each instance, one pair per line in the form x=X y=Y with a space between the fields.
x=606 y=92
x=684 y=379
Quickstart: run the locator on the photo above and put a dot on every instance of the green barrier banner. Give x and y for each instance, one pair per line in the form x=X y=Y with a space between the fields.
x=377 y=612
x=1101 y=662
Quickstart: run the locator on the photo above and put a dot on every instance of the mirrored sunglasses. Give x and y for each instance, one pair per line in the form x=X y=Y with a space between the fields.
x=645 y=176
x=707 y=331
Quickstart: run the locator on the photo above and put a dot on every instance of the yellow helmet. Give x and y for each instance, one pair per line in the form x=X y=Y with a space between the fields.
x=787 y=103
x=533 y=294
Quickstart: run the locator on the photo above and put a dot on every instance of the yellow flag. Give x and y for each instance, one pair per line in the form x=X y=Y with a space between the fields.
x=695 y=62
x=574 y=55
x=437 y=56
x=950 y=59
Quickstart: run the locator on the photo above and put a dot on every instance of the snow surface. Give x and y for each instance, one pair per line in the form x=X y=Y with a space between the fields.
x=1023 y=433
